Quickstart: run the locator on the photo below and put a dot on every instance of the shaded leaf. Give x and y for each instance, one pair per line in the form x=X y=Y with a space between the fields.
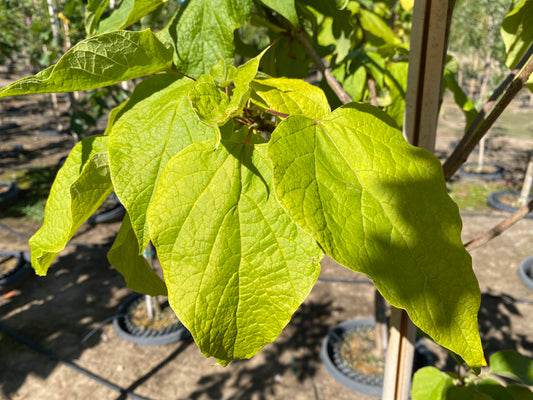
x=285 y=8
x=380 y=32
x=235 y=265
x=380 y=206
x=97 y=62
x=93 y=12
x=354 y=82
x=464 y=393
x=460 y=98
x=396 y=81
x=81 y=185
x=512 y=364
x=519 y=392
x=124 y=257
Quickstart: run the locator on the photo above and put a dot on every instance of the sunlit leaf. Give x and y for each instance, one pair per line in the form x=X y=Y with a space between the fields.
x=127 y=13
x=380 y=206
x=290 y=96
x=157 y=123
x=202 y=33
x=517 y=33
x=235 y=265
x=97 y=62
x=429 y=383
x=81 y=185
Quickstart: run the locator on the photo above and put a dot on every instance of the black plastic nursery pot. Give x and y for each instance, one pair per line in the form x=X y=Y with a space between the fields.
x=489 y=171
x=344 y=374
x=111 y=211
x=506 y=200
x=15 y=266
x=525 y=272
x=8 y=192
x=126 y=329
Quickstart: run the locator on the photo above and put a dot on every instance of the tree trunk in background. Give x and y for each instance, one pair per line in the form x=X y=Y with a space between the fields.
x=483 y=90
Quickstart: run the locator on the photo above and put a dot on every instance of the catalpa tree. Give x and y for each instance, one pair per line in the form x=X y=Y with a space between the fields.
x=244 y=179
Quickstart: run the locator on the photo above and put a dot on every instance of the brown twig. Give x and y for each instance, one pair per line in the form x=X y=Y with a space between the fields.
x=501 y=227
x=330 y=79
x=480 y=126
x=372 y=90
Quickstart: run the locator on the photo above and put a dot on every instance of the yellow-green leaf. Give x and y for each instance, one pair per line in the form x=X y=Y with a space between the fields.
x=157 y=122
x=235 y=265
x=290 y=96
x=97 y=62
x=380 y=206
x=81 y=185
x=124 y=257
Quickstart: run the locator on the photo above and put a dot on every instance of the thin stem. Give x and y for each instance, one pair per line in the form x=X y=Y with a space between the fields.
x=278 y=114
x=317 y=61
x=501 y=227
x=480 y=126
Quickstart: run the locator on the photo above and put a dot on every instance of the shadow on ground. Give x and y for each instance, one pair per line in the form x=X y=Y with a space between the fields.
x=495 y=326
x=56 y=312
x=302 y=342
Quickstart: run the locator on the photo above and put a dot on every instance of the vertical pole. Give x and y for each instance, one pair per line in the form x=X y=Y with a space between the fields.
x=429 y=33
x=528 y=182
x=152 y=306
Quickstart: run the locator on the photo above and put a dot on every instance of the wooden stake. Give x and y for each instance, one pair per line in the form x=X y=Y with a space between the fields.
x=429 y=33
x=528 y=182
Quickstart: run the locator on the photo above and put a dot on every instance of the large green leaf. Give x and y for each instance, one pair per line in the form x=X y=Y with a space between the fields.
x=127 y=13
x=235 y=265
x=124 y=257
x=380 y=206
x=157 y=122
x=202 y=33
x=81 y=185
x=512 y=364
x=290 y=96
x=285 y=8
x=517 y=33
x=429 y=383
x=97 y=62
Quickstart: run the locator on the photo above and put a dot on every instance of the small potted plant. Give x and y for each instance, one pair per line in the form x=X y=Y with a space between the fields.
x=146 y=320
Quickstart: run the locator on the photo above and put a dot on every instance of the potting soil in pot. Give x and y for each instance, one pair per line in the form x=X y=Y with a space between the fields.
x=358 y=352
x=139 y=317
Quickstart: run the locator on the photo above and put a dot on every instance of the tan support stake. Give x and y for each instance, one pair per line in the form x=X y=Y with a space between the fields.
x=400 y=354
x=423 y=96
